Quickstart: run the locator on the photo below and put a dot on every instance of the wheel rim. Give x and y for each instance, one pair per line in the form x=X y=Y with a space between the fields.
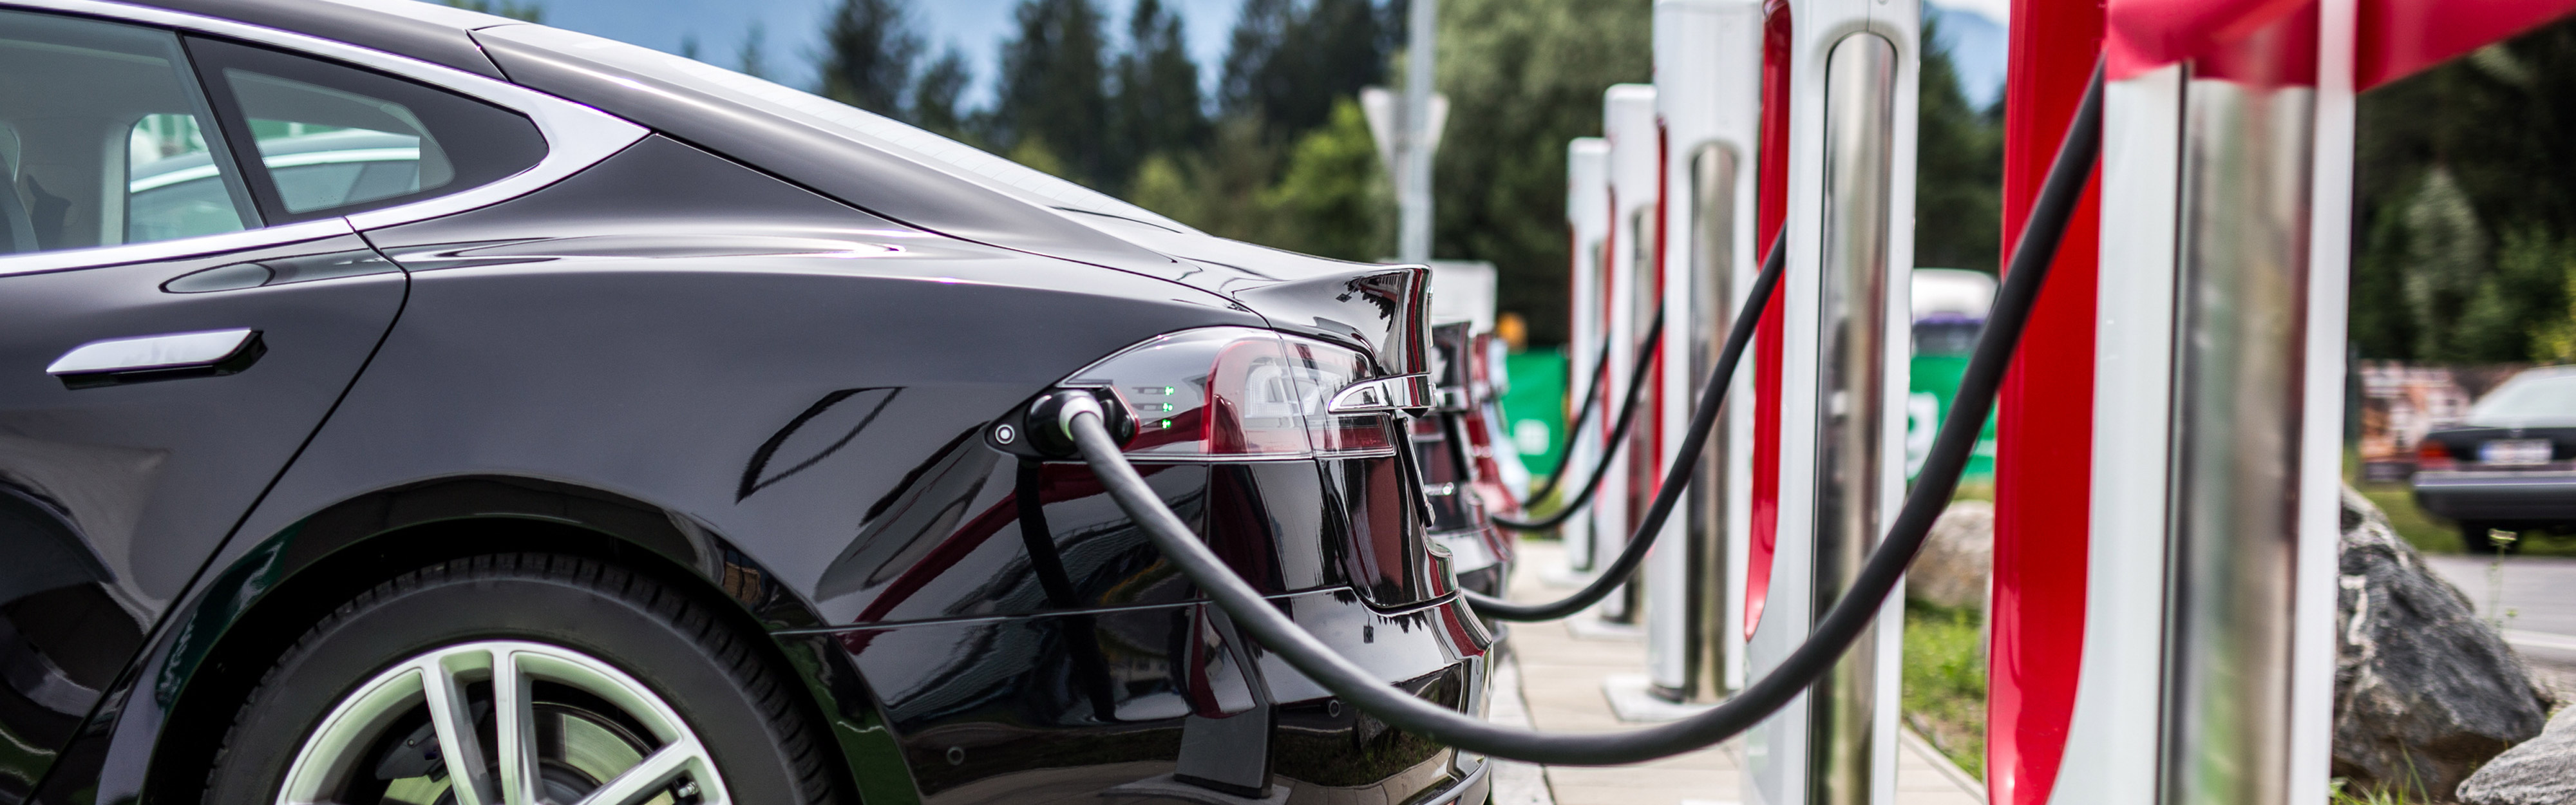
x=607 y=739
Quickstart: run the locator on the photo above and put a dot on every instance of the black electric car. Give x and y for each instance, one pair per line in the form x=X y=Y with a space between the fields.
x=2510 y=464
x=406 y=405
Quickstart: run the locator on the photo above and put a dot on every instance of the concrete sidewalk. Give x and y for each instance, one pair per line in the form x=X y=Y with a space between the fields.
x=1560 y=677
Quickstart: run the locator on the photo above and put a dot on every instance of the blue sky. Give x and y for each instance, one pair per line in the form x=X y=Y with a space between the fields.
x=792 y=31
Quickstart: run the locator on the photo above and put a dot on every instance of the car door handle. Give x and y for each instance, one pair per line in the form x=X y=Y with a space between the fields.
x=168 y=356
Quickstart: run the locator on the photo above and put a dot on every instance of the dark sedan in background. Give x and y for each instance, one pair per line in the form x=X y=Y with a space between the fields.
x=406 y=405
x=2510 y=465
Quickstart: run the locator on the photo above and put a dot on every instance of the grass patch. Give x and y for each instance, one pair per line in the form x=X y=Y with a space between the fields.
x=1945 y=682
x=1974 y=490
x=2424 y=530
x=2337 y=794
x=2432 y=533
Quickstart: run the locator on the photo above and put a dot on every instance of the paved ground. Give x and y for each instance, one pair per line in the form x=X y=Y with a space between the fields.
x=2535 y=596
x=1560 y=677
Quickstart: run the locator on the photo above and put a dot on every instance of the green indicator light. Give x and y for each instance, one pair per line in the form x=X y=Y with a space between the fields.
x=1170 y=390
x=1167 y=423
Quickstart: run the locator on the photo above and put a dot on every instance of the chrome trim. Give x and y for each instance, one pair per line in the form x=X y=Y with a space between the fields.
x=1405 y=393
x=1469 y=784
x=1851 y=394
x=149 y=352
x=202 y=245
x=577 y=136
x=1468 y=551
x=2232 y=548
x=1714 y=180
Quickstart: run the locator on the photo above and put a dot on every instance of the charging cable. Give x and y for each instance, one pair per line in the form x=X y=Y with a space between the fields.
x=1712 y=397
x=1082 y=418
x=1618 y=432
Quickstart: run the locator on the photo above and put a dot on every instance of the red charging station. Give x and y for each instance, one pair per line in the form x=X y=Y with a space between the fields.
x=2170 y=438
x=2170 y=432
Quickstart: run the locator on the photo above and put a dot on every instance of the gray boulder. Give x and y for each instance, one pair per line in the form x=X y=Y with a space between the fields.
x=2425 y=692
x=1956 y=558
x=2542 y=771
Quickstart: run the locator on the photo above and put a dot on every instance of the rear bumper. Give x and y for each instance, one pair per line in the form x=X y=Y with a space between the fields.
x=2530 y=499
x=1473 y=788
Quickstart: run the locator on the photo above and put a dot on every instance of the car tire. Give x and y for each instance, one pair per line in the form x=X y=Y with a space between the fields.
x=2474 y=539
x=598 y=650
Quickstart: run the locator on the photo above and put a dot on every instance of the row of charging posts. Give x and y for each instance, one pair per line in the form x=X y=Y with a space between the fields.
x=2164 y=580
x=1665 y=209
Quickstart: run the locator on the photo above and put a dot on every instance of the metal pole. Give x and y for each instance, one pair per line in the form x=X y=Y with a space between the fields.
x=1413 y=150
x=1852 y=345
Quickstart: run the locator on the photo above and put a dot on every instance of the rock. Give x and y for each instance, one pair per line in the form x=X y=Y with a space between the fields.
x=2425 y=692
x=1956 y=558
x=2540 y=771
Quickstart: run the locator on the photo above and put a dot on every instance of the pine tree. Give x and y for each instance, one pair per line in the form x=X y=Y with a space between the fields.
x=1289 y=62
x=870 y=52
x=2467 y=230
x=1959 y=175
x=1053 y=86
x=938 y=93
x=1524 y=76
x=749 y=55
x=1156 y=108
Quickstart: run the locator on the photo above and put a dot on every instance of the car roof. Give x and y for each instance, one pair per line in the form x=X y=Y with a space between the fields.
x=885 y=167
x=431 y=33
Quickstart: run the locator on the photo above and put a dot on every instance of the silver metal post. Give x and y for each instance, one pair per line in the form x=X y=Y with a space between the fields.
x=2237 y=429
x=1413 y=206
x=1712 y=306
x=1851 y=354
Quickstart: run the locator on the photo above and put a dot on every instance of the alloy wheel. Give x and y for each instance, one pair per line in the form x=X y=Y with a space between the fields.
x=502 y=722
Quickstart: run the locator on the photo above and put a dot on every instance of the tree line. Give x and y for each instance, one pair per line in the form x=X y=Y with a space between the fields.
x=2466 y=208
x=1281 y=154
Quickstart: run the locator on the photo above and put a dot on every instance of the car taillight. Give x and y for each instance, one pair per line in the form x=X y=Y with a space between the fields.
x=1248 y=393
x=2431 y=455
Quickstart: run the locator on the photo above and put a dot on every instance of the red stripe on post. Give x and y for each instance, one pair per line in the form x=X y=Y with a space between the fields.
x=2044 y=432
x=1771 y=209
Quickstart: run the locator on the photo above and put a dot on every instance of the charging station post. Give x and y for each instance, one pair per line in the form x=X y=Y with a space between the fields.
x=1708 y=94
x=1587 y=224
x=1845 y=106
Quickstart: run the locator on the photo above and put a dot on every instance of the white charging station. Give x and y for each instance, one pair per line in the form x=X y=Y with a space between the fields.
x=1849 y=220
x=1708 y=63
x=1632 y=286
x=1587 y=226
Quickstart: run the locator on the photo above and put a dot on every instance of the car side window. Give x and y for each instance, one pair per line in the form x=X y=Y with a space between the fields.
x=104 y=139
x=326 y=139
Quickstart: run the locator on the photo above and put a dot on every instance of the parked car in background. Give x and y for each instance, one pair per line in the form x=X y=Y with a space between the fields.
x=1463 y=469
x=400 y=404
x=2510 y=464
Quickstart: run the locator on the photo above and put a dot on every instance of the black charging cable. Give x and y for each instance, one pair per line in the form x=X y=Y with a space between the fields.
x=1618 y=434
x=1081 y=417
x=1676 y=480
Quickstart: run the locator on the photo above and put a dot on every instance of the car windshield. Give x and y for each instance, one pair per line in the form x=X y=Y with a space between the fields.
x=947 y=155
x=2530 y=397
